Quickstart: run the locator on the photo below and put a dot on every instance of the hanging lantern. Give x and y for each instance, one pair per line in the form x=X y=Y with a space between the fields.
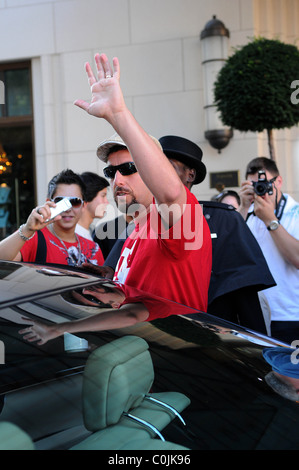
x=214 y=44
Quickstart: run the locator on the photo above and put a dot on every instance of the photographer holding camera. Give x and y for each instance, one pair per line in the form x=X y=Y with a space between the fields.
x=273 y=218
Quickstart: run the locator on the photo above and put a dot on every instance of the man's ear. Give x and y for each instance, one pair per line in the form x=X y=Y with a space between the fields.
x=278 y=182
x=191 y=175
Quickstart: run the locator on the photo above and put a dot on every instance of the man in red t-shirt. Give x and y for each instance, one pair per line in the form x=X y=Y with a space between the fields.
x=56 y=241
x=169 y=253
x=173 y=263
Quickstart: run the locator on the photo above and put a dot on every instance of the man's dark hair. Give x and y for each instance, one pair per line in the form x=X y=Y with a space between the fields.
x=93 y=183
x=261 y=163
x=65 y=177
x=226 y=192
x=116 y=148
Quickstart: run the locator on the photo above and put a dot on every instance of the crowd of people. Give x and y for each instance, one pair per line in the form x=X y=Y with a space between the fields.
x=237 y=256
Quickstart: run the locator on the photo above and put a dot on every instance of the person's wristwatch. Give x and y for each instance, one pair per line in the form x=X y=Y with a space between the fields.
x=274 y=224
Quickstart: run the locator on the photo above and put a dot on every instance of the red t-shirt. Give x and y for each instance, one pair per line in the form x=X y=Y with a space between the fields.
x=56 y=252
x=174 y=264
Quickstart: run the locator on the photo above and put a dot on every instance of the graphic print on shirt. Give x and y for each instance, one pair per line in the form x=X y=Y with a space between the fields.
x=74 y=256
x=124 y=263
x=89 y=250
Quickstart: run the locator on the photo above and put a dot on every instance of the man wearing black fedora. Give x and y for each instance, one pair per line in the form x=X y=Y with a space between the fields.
x=239 y=269
x=186 y=156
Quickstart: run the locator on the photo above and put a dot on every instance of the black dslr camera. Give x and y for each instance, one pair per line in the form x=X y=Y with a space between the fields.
x=262 y=185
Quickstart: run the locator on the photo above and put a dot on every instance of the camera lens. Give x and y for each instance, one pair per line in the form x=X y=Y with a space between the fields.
x=260 y=189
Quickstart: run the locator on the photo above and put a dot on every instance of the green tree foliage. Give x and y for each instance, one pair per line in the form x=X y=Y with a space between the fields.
x=253 y=89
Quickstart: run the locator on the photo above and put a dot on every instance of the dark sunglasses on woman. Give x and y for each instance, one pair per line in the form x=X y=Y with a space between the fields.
x=75 y=201
x=125 y=169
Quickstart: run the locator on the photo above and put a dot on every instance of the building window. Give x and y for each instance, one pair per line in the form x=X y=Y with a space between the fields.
x=17 y=162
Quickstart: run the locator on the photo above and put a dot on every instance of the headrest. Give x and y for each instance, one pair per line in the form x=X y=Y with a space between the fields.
x=116 y=378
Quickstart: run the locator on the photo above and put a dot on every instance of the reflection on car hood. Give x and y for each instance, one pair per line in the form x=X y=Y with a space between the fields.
x=56 y=292
x=53 y=291
x=20 y=282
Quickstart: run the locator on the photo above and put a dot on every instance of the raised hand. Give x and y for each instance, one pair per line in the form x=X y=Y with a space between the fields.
x=246 y=194
x=39 y=216
x=106 y=96
x=264 y=208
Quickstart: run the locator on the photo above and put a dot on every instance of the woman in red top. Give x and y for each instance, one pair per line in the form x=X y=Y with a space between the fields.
x=62 y=244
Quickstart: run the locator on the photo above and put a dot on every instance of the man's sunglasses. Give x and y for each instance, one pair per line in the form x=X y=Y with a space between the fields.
x=75 y=201
x=125 y=169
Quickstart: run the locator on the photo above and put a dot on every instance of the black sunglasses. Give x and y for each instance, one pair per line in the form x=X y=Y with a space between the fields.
x=75 y=201
x=125 y=169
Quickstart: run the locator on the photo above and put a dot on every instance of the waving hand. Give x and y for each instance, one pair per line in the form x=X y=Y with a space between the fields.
x=106 y=95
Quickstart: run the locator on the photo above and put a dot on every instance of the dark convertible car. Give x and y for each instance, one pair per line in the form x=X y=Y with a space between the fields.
x=187 y=381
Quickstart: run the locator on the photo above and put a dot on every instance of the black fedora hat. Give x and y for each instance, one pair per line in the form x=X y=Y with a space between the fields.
x=184 y=151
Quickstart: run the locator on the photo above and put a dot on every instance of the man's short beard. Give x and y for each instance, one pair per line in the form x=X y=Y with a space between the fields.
x=128 y=208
